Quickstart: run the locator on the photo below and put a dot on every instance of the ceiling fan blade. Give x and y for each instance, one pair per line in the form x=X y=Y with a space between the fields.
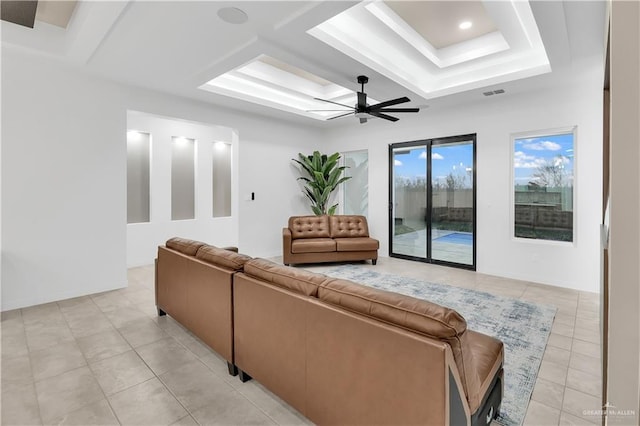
x=385 y=116
x=363 y=120
x=338 y=116
x=389 y=103
x=328 y=110
x=399 y=110
x=362 y=100
x=336 y=103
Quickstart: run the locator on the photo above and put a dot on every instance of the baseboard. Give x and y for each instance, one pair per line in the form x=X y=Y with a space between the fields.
x=8 y=305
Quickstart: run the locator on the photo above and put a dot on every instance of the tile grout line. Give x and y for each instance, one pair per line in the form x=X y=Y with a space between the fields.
x=90 y=369
x=26 y=343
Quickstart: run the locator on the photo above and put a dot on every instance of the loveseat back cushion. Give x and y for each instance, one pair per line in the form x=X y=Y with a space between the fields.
x=412 y=314
x=184 y=245
x=348 y=226
x=313 y=245
x=222 y=257
x=309 y=227
x=357 y=244
x=297 y=280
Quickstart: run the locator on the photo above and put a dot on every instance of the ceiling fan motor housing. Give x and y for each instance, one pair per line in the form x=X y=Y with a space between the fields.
x=363 y=79
x=363 y=110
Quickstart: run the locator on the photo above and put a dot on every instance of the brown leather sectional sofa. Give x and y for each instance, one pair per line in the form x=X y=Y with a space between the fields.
x=316 y=239
x=337 y=351
x=194 y=284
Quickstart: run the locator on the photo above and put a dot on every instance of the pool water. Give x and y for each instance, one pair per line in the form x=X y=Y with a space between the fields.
x=457 y=238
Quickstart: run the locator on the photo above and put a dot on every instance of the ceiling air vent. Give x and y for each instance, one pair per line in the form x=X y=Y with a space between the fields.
x=493 y=92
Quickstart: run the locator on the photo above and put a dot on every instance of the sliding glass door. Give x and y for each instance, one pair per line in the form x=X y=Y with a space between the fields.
x=432 y=200
x=409 y=219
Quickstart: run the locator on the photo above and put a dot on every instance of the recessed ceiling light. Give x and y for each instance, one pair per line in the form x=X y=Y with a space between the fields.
x=233 y=15
x=465 y=25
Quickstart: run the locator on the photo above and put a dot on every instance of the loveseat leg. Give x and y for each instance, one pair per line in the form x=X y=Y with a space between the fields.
x=244 y=377
x=374 y=261
x=161 y=313
x=233 y=370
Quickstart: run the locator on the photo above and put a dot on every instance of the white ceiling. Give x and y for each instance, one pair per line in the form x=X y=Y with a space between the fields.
x=176 y=47
x=438 y=21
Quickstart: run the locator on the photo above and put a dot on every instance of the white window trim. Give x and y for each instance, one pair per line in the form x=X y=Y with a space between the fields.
x=512 y=213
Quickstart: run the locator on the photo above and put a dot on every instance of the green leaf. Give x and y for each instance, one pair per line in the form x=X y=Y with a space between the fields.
x=324 y=175
x=332 y=209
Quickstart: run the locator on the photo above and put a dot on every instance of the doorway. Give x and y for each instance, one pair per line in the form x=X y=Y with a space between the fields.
x=432 y=208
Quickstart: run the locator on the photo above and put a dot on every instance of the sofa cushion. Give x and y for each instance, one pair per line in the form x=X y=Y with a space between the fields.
x=184 y=246
x=348 y=226
x=407 y=312
x=222 y=257
x=309 y=227
x=357 y=244
x=488 y=356
x=293 y=279
x=313 y=245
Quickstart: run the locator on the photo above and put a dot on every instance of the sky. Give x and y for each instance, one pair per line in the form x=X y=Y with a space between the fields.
x=449 y=158
x=529 y=153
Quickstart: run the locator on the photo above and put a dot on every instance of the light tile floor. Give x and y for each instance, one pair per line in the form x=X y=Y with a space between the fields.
x=109 y=359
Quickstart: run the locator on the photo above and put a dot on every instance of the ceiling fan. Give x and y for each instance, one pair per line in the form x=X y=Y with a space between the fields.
x=363 y=111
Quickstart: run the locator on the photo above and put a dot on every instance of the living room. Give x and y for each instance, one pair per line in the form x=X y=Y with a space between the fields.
x=69 y=100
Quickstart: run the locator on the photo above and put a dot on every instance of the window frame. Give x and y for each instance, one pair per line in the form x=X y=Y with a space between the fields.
x=537 y=134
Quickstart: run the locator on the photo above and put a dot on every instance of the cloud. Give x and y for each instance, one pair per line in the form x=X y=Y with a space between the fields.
x=542 y=146
x=525 y=161
x=434 y=156
x=561 y=160
x=397 y=163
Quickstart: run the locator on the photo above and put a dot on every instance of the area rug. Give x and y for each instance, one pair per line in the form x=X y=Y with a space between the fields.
x=523 y=327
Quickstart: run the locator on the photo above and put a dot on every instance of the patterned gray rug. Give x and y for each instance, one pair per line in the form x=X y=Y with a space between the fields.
x=523 y=327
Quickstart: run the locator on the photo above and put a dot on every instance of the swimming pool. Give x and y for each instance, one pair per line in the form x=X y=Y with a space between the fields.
x=464 y=238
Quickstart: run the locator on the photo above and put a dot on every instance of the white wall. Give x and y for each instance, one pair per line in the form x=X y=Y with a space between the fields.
x=494 y=120
x=266 y=169
x=143 y=238
x=64 y=177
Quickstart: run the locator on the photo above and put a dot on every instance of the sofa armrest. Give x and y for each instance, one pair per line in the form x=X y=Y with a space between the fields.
x=286 y=246
x=230 y=248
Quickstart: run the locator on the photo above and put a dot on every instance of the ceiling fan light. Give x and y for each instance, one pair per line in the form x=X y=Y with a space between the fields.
x=465 y=25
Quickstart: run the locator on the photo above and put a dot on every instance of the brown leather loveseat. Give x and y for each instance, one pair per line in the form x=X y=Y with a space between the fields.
x=343 y=353
x=315 y=239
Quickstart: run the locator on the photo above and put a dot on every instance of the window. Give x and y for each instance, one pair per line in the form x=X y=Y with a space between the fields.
x=356 y=190
x=182 y=178
x=543 y=179
x=138 y=149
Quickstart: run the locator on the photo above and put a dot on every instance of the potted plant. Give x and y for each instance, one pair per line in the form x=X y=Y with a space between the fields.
x=322 y=175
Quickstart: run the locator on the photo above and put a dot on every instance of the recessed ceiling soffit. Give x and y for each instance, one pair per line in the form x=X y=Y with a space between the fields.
x=397 y=39
x=271 y=82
